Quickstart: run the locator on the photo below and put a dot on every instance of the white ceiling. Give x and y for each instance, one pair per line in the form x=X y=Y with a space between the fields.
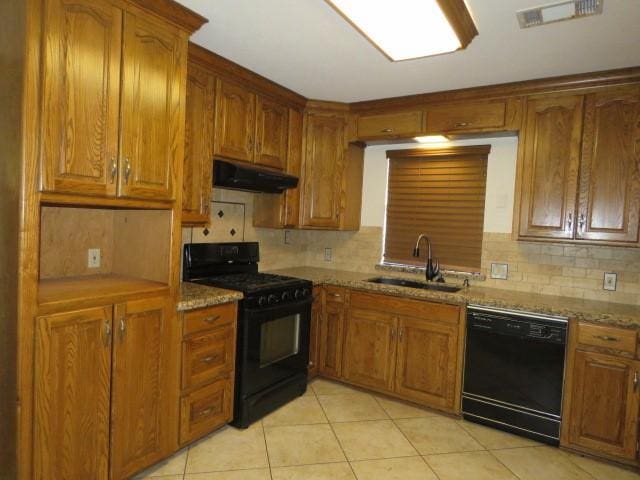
x=306 y=46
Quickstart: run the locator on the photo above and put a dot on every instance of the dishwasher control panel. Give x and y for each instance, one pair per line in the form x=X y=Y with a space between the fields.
x=518 y=324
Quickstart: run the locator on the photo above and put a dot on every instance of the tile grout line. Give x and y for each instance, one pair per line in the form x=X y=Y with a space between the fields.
x=266 y=448
x=504 y=465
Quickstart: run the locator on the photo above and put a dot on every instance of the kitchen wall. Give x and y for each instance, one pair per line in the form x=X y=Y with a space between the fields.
x=533 y=267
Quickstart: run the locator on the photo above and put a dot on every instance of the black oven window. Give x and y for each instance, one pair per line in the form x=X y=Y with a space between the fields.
x=279 y=339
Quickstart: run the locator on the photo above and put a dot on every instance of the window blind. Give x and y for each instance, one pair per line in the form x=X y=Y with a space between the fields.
x=439 y=192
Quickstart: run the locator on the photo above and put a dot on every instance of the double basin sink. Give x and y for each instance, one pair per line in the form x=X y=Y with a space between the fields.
x=438 y=287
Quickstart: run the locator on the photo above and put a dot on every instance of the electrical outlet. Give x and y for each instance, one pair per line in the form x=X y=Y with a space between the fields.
x=610 y=281
x=327 y=254
x=287 y=237
x=93 y=258
x=499 y=271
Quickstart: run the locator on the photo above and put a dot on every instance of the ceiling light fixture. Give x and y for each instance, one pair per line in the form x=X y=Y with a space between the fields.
x=406 y=29
x=431 y=139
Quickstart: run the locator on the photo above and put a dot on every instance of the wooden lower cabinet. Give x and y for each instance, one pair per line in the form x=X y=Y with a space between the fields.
x=601 y=414
x=331 y=338
x=72 y=394
x=428 y=362
x=144 y=381
x=206 y=409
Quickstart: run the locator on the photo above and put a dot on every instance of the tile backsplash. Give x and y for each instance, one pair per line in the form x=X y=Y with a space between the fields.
x=556 y=269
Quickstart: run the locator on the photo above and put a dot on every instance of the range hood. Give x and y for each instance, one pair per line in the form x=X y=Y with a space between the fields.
x=239 y=176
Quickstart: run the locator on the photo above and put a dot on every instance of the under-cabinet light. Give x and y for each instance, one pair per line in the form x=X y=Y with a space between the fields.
x=431 y=139
x=405 y=29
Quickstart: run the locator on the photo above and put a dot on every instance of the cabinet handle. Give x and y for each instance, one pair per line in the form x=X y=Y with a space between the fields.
x=400 y=334
x=386 y=130
x=107 y=333
x=250 y=144
x=393 y=333
x=259 y=147
x=204 y=413
x=635 y=381
x=582 y=222
x=123 y=328
x=570 y=221
x=607 y=338
x=210 y=320
x=463 y=124
x=208 y=359
x=335 y=295
x=127 y=170
x=114 y=169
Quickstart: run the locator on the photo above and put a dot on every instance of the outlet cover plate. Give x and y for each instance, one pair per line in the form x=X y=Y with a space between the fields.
x=610 y=281
x=500 y=271
x=93 y=259
x=327 y=254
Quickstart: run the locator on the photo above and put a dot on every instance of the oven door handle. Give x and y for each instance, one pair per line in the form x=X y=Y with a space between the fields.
x=281 y=306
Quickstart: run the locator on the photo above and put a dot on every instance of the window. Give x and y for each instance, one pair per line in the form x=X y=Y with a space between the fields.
x=439 y=192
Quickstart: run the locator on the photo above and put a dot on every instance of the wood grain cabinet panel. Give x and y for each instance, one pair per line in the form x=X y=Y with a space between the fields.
x=603 y=412
x=208 y=355
x=144 y=405
x=271 y=134
x=427 y=365
x=331 y=339
x=206 y=409
x=235 y=122
x=551 y=158
x=197 y=172
x=154 y=64
x=322 y=171
x=390 y=125
x=609 y=206
x=468 y=116
x=80 y=97
x=72 y=394
x=370 y=348
x=314 y=333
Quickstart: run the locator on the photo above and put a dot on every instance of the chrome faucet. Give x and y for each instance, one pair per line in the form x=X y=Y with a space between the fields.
x=431 y=271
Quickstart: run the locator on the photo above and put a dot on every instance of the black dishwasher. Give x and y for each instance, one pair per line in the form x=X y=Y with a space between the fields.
x=514 y=371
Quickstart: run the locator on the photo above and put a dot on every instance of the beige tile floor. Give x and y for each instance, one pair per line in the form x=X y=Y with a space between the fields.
x=336 y=432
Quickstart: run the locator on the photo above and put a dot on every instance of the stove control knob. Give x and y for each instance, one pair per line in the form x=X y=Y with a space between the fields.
x=286 y=296
x=272 y=299
x=262 y=301
x=297 y=294
x=306 y=292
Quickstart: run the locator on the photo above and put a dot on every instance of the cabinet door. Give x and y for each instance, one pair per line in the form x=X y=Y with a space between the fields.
x=610 y=170
x=80 y=97
x=314 y=334
x=427 y=362
x=323 y=169
x=370 y=348
x=550 y=161
x=72 y=388
x=153 y=84
x=603 y=412
x=235 y=122
x=271 y=134
x=331 y=340
x=197 y=174
x=145 y=390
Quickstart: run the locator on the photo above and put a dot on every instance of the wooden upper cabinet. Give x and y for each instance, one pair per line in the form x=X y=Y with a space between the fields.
x=609 y=204
x=370 y=348
x=468 y=116
x=80 y=97
x=145 y=388
x=323 y=170
x=390 y=125
x=428 y=362
x=198 y=147
x=603 y=411
x=551 y=158
x=235 y=121
x=72 y=394
x=271 y=134
x=154 y=64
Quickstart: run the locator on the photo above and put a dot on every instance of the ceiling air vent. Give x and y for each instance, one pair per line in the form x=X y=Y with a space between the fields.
x=556 y=12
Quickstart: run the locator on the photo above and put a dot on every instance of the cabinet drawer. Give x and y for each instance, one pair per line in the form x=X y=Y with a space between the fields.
x=209 y=318
x=468 y=116
x=206 y=409
x=403 y=124
x=207 y=356
x=335 y=294
x=611 y=338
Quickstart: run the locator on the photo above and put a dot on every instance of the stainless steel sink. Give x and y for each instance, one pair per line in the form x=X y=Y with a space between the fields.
x=439 y=287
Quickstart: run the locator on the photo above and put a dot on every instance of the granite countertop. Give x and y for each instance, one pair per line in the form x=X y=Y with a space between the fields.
x=616 y=314
x=193 y=296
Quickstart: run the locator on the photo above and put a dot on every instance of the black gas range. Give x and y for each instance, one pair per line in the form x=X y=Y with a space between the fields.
x=273 y=325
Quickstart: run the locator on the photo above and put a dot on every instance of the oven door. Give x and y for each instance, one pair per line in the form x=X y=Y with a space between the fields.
x=274 y=345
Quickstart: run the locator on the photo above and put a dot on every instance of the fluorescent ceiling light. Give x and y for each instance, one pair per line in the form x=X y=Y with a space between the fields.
x=431 y=139
x=404 y=29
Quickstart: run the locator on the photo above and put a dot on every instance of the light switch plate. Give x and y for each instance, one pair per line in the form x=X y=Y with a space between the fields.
x=327 y=254
x=500 y=271
x=610 y=281
x=93 y=260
